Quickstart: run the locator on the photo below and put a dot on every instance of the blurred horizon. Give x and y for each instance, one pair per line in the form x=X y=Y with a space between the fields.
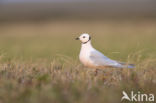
x=38 y=10
x=74 y=0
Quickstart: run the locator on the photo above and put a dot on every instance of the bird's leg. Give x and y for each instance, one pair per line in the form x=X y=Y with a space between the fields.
x=96 y=72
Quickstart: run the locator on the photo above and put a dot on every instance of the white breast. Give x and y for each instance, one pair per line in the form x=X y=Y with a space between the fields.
x=85 y=55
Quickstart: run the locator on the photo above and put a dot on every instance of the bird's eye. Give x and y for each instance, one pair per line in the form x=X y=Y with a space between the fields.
x=84 y=37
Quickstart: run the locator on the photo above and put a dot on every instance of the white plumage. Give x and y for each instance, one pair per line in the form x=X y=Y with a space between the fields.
x=93 y=58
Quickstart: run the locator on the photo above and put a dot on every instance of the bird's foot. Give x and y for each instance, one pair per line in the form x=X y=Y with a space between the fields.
x=96 y=72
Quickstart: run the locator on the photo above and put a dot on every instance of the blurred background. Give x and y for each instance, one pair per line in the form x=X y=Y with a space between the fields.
x=39 y=54
x=39 y=10
x=43 y=29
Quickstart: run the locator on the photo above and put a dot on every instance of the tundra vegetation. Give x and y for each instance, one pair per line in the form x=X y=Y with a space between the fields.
x=39 y=61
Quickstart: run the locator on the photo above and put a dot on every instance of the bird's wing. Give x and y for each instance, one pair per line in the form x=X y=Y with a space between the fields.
x=100 y=60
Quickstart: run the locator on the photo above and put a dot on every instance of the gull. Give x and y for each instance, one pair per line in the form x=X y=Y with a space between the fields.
x=91 y=57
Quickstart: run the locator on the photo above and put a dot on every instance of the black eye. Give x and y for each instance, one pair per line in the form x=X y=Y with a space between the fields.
x=84 y=37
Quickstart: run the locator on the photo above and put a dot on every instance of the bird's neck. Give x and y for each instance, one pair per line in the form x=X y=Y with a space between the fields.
x=86 y=45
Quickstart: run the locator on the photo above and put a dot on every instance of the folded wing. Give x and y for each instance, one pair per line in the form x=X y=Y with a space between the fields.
x=100 y=60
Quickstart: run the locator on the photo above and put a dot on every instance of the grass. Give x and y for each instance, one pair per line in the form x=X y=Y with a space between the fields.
x=39 y=61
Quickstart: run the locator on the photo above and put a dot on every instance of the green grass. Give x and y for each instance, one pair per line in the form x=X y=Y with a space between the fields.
x=39 y=61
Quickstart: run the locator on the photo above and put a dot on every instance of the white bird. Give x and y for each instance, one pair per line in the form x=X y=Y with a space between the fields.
x=91 y=57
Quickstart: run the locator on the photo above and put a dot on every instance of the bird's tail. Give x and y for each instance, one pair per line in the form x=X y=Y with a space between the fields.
x=124 y=65
x=131 y=66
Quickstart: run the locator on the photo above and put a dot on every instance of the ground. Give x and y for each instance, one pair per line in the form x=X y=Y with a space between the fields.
x=39 y=61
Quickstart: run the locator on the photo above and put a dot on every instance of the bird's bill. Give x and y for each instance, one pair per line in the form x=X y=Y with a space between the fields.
x=76 y=38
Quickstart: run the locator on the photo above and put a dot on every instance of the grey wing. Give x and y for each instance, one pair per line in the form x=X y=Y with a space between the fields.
x=100 y=60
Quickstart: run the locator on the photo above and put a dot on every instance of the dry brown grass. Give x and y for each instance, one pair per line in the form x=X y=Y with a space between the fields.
x=39 y=62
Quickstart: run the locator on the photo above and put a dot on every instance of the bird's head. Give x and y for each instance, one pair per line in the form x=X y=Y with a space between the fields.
x=84 y=38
